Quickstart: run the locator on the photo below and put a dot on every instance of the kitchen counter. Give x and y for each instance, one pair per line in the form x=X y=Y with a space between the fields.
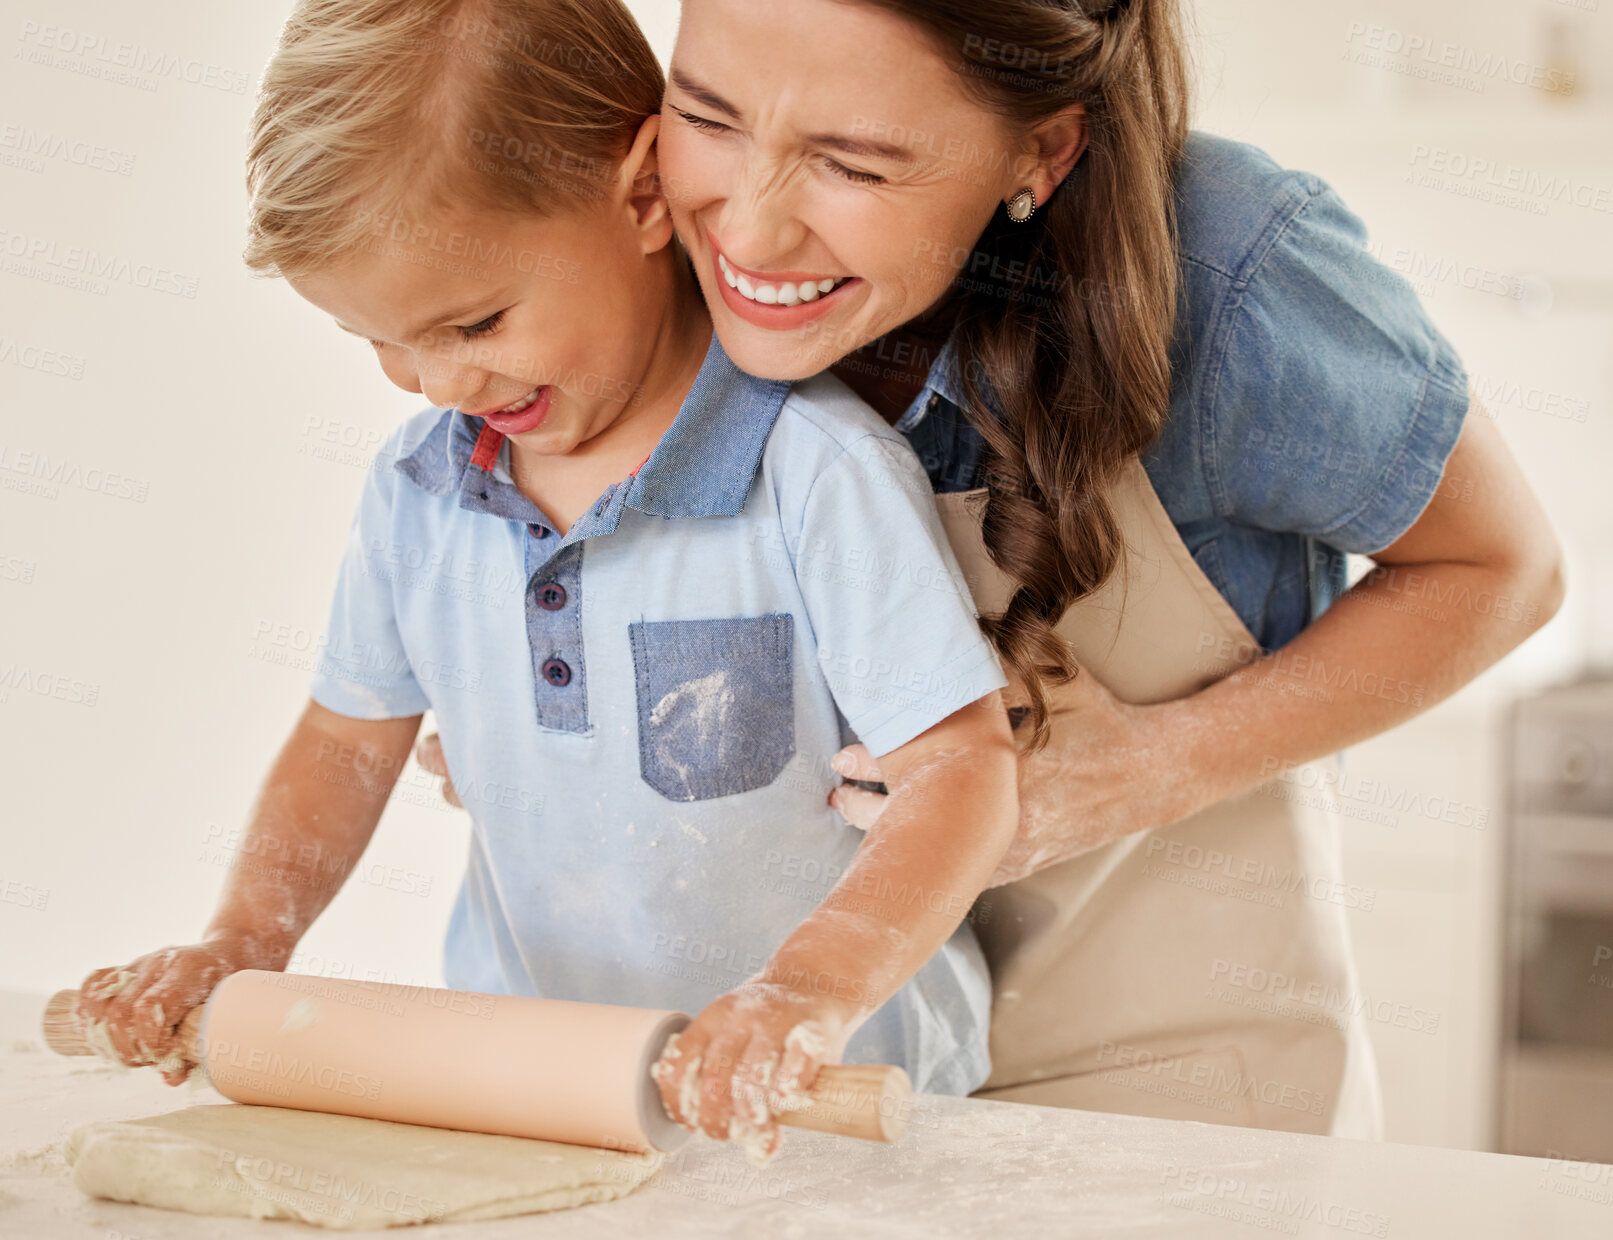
x=965 y=1169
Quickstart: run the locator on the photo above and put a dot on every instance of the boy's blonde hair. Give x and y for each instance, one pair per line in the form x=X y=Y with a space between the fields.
x=369 y=107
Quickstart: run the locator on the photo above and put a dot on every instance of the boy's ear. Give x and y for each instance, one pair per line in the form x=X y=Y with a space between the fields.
x=640 y=184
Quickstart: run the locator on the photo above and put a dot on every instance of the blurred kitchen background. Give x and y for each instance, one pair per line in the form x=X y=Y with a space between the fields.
x=1476 y=141
x=179 y=604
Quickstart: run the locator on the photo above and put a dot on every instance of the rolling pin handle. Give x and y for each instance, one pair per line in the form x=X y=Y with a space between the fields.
x=64 y=1032
x=868 y=1101
x=60 y=1025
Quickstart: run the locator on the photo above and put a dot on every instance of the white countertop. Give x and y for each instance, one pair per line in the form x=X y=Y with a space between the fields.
x=965 y=1169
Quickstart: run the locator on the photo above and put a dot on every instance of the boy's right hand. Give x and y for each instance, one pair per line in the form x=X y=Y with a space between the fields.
x=144 y=1001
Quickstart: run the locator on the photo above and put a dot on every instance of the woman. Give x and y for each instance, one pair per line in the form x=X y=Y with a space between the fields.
x=1160 y=391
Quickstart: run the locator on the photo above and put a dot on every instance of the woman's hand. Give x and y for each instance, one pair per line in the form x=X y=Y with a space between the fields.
x=1108 y=769
x=144 y=1001
x=428 y=753
x=746 y=1059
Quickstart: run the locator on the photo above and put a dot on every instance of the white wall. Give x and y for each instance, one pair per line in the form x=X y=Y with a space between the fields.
x=172 y=607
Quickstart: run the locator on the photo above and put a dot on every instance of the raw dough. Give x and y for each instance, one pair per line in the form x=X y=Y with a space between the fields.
x=339 y=1171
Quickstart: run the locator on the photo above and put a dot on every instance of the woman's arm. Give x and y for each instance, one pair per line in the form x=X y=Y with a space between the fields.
x=951 y=814
x=1477 y=573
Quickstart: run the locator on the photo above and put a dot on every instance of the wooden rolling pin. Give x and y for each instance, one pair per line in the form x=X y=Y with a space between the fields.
x=523 y=1067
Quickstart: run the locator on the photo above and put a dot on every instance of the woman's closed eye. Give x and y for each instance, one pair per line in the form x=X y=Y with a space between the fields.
x=701 y=122
x=839 y=169
x=851 y=174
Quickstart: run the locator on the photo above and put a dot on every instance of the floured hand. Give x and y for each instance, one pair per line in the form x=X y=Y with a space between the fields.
x=749 y=1057
x=132 y=1013
x=428 y=753
x=1109 y=768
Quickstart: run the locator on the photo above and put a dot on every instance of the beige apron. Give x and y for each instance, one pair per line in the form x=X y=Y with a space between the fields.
x=1200 y=971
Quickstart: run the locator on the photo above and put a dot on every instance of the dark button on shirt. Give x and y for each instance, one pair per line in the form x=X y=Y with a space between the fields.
x=551 y=596
x=557 y=673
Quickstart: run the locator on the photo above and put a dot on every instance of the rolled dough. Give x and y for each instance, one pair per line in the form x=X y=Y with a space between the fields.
x=339 y=1171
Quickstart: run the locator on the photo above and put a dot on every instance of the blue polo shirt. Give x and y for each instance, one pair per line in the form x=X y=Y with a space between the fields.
x=639 y=715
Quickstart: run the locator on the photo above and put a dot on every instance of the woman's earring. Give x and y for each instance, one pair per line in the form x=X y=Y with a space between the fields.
x=1022 y=206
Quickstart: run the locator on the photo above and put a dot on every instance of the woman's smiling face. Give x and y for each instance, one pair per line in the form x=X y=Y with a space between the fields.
x=826 y=172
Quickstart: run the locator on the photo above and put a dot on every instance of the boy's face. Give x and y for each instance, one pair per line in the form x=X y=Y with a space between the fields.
x=541 y=325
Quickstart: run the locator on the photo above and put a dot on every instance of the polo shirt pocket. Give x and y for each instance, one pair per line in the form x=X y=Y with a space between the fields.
x=716 y=704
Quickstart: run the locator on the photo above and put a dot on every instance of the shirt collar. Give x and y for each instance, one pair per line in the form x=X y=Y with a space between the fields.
x=441 y=465
x=942 y=382
x=703 y=466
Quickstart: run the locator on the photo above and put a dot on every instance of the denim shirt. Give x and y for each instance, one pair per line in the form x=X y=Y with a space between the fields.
x=1313 y=403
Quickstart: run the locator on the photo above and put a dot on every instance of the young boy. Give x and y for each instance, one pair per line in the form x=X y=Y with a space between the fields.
x=720 y=578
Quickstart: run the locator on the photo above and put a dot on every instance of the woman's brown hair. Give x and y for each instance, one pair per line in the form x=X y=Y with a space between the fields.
x=1075 y=351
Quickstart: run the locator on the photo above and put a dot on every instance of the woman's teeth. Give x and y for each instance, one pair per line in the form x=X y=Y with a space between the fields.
x=789 y=294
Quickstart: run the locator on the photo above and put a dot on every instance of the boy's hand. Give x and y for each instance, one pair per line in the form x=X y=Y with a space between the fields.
x=144 y=1001
x=746 y=1058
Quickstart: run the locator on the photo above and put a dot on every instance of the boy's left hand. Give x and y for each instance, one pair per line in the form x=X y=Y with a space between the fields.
x=742 y=1061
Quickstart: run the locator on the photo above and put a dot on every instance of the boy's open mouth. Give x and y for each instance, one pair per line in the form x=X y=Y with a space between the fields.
x=520 y=416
